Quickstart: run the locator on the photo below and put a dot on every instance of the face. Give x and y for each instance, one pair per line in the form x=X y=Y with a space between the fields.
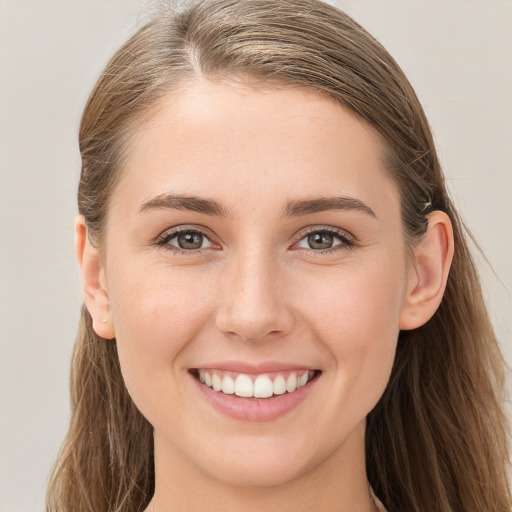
x=255 y=238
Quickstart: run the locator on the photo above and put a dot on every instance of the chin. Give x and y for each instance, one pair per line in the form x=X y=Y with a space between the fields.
x=271 y=472
x=261 y=462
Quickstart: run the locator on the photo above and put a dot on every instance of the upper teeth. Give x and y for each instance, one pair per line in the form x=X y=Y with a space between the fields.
x=261 y=387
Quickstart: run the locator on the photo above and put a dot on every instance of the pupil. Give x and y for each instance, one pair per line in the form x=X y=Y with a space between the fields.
x=190 y=240
x=320 y=240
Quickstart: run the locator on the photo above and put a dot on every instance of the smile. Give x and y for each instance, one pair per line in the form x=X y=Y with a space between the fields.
x=255 y=386
x=256 y=395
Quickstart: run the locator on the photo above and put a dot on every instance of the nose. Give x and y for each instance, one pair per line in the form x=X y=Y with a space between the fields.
x=253 y=303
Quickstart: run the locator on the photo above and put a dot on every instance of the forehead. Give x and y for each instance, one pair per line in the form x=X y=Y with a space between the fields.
x=242 y=143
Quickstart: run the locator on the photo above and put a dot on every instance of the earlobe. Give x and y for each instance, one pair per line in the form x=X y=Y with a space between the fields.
x=429 y=272
x=93 y=281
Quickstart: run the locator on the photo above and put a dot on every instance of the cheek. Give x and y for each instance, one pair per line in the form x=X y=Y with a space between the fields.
x=156 y=319
x=355 y=314
x=360 y=300
x=159 y=302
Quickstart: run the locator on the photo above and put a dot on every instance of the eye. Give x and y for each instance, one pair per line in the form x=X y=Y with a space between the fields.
x=185 y=240
x=325 y=240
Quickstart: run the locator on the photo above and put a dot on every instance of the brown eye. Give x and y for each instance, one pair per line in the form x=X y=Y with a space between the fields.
x=320 y=240
x=189 y=240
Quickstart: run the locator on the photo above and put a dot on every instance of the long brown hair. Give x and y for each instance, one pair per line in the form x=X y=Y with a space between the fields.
x=437 y=440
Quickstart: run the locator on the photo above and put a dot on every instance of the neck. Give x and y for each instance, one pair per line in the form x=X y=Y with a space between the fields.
x=335 y=483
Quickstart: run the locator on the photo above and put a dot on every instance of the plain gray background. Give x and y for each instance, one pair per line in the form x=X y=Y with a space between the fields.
x=456 y=54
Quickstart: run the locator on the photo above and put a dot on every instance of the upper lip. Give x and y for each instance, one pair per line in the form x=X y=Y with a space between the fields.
x=249 y=368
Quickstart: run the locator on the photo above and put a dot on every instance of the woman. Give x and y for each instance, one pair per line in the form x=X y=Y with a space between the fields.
x=281 y=311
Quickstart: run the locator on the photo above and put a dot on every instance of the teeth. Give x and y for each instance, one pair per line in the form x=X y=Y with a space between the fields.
x=262 y=387
x=216 y=382
x=291 y=383
x=279 y=385
x=228 y=385
x=303 y=380
x=244 y=386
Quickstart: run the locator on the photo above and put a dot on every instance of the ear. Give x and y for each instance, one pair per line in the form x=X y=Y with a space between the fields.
x=428 y=273
x=93 y=282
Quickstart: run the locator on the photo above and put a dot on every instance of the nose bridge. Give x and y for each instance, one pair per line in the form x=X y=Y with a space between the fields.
x=253 y=300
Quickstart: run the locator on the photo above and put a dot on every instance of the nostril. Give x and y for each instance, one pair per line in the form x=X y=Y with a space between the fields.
x=254 y=336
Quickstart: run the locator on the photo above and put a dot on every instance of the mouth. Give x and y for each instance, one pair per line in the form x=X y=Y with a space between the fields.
x=254 y=386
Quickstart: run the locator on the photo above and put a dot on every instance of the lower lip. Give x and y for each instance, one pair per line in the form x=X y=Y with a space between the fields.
x=254 y=409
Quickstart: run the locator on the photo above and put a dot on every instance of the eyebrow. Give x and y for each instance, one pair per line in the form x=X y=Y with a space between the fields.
x=186 y=203
x=292 y=209
x=308 y=206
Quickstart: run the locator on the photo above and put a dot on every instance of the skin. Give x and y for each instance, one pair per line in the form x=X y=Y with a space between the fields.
x=257 y=291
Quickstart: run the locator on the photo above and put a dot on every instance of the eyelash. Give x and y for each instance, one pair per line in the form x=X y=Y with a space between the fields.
x=346 y=240
x=164 y=240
